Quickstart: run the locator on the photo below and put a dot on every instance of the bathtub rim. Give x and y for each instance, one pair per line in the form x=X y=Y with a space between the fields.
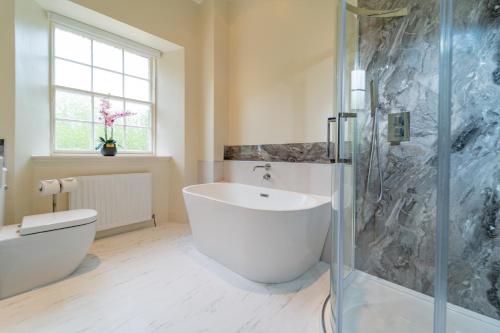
x=322 y=200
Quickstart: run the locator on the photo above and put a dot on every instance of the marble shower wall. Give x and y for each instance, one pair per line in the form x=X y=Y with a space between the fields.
x=475 y=160
x=395 y=238
x=314 y=152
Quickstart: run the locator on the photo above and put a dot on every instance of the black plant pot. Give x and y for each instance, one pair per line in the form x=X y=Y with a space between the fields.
x=108 y=149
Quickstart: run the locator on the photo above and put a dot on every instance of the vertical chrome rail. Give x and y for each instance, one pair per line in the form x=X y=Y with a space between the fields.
x=443 y=176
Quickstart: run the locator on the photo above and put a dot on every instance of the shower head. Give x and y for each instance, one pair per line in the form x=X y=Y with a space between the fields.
x=398 y=12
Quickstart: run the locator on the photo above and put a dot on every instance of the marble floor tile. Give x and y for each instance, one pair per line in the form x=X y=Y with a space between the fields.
x=154 y=280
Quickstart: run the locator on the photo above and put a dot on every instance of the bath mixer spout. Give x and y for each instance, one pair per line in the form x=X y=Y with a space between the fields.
x=266 y=167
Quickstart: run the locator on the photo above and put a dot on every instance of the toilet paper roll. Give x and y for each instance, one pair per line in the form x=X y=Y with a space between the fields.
x=49 y=187
x=68 y=184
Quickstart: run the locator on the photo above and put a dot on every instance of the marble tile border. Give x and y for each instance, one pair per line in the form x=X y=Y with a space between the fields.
x=314 y=152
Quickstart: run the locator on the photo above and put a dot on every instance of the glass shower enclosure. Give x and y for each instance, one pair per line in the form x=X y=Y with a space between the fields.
x=416 y=202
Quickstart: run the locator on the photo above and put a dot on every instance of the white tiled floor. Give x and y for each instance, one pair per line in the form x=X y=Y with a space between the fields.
x=154 y=280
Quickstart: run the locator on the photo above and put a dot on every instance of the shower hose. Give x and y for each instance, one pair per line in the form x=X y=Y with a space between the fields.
x=375 y=153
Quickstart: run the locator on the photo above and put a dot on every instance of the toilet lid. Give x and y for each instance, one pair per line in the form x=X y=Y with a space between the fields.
x=59 y=220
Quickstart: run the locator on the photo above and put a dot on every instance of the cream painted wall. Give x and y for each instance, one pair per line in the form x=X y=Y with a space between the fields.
x=215 y=89
x=281 y=70
x=171 y=127
x=207 y=79
x=215 y=55
x=7 y=95
x=221 y=77
x=32 y=114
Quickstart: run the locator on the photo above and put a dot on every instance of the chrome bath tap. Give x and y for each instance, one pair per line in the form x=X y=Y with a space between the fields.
x=266 y=167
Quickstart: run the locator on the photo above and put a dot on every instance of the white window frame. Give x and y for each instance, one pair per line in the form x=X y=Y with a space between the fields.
x=94 y=34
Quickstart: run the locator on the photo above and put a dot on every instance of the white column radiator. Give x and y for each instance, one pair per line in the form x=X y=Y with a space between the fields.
x=120 y=199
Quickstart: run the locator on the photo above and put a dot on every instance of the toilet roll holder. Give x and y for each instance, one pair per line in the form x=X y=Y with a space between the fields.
x=54 y=203
x=62 y=189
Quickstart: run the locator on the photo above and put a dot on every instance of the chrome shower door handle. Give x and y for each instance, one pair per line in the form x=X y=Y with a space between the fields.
x=330 y=149
x=342 y=150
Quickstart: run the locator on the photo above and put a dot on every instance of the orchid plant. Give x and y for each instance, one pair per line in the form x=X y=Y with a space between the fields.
x=109 y=120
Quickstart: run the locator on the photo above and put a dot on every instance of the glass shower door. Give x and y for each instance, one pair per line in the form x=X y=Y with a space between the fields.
x=383 y=270
x=343 y=180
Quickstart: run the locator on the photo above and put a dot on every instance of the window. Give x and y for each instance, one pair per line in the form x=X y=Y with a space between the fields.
x=86 y=69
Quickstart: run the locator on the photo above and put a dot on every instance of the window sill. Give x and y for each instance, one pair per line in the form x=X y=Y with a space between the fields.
x=99 y=159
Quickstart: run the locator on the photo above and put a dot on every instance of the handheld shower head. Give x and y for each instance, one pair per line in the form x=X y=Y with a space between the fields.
x=374 y=144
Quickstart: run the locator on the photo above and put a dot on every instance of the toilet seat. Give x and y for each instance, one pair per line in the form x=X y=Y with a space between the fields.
x=34 y=224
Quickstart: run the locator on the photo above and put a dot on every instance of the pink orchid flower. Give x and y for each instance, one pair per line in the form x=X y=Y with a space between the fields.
x=110 y=118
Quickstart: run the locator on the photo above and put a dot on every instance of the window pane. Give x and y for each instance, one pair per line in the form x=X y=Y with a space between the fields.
x=77 y=126
x=138 y=139
x=73 y=106
x=107 y=82
x=118 y=135
x=116 y=106
x=136 y=89
x=72 y=75
x=136 y=65
x=71 y=46
x=73 y=135
x=107 y=56
x=142 y=116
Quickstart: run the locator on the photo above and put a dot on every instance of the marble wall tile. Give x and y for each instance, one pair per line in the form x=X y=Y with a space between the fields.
x=396 y=238
x=290 y=152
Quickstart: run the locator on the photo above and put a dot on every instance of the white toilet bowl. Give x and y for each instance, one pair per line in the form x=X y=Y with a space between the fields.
x=44 y=248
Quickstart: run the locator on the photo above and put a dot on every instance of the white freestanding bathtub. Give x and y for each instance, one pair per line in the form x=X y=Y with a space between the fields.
x=265 y=235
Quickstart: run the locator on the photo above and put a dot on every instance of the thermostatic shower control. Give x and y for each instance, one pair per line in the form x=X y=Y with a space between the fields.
x=398 y=127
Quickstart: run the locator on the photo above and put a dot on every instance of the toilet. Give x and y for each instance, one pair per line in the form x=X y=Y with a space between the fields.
x=42 y=249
